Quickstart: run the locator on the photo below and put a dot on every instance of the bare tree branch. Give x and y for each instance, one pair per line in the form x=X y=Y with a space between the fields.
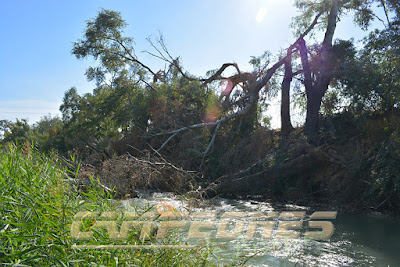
x=308 y=82
x=170 y=59
x=174 y=63
x=307 y=31
x=159 y=164
x=217 y=73
x=210 y=144
x=386 y=12
x=377 y=17
x=166 y=142
x=131 y=57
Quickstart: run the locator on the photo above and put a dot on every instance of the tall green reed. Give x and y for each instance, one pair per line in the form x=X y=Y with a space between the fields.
x=37 y=207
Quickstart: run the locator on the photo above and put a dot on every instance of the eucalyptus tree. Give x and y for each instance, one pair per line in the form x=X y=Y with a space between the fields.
x=319 y=59
x=128 y=94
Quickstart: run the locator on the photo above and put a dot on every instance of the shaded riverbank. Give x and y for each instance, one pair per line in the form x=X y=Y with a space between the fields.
x=353 y=167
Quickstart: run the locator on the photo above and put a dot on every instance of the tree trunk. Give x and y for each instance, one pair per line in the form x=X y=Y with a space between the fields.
x=312 y=119
x=316 y=82
x=286 y=125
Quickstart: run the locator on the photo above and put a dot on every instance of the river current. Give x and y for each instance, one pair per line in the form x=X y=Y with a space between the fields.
x=357 y=240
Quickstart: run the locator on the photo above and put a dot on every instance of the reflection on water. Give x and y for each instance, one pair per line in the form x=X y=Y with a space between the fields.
x=358 y=240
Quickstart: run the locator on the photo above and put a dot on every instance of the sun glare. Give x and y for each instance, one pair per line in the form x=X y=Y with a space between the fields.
x=261 y=14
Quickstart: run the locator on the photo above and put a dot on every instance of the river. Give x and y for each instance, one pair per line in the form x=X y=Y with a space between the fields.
x=357 y=240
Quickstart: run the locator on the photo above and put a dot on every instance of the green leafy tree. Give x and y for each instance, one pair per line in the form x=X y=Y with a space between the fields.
x=129 y=96
x=70 y=105
x=319 y=60
x=178 y=102
x=16 y=132
x=120 y=100
x=370 y=77
x=47 y=134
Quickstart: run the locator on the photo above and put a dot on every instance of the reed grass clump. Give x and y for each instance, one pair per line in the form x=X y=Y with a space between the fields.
x=37 y=207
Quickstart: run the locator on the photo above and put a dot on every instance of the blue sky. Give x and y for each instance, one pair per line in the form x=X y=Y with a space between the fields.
x=36 y=65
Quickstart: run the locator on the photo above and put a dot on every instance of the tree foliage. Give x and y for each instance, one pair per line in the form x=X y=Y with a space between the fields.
x=46 y=134
x=370 y=77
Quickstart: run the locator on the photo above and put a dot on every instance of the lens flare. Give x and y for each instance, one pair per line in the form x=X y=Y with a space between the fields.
x=212 y=114
x=165 y=208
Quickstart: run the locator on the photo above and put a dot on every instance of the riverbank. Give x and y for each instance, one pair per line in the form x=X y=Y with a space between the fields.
x=353 y=165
